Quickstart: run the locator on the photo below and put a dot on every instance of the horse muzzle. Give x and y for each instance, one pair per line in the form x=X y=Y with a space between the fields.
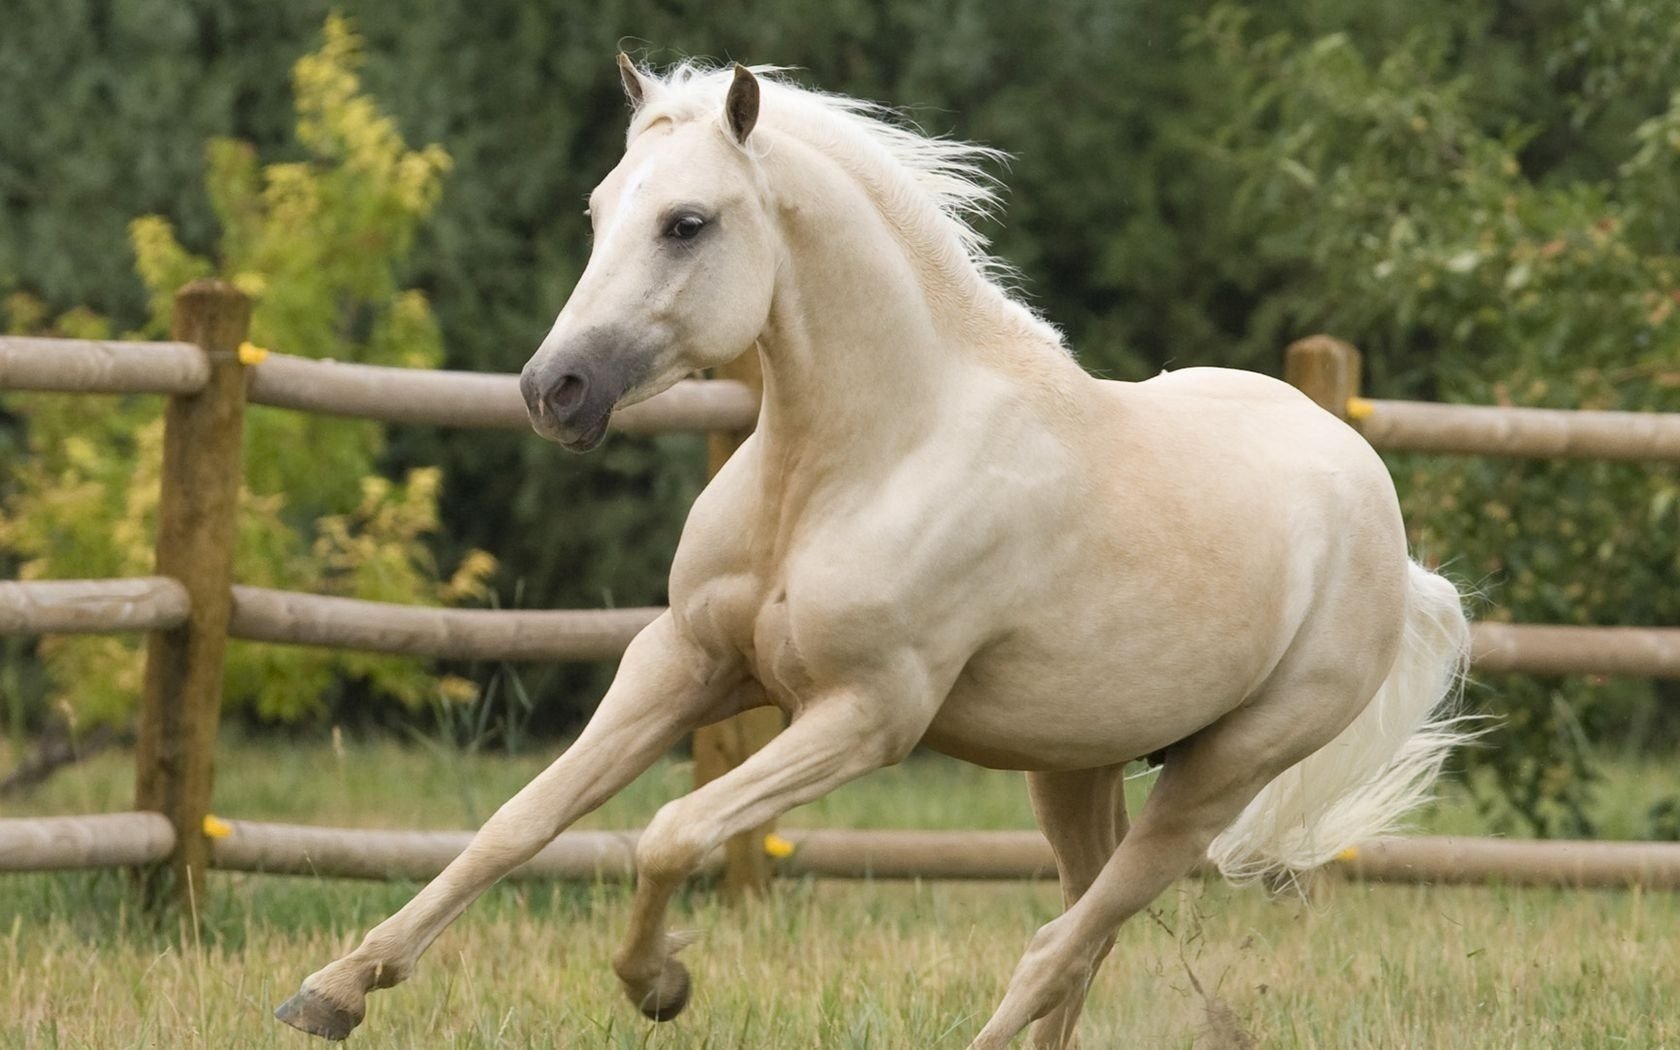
x=570 y=397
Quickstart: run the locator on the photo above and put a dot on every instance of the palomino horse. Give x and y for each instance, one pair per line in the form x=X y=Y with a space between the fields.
x=944 y=532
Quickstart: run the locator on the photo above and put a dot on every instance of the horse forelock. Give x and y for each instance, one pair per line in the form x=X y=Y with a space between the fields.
x=933 y=189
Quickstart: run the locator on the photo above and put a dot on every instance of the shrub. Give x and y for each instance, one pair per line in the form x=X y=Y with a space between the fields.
x=316 y=244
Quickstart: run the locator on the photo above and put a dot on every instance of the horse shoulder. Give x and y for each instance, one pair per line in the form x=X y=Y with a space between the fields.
x=714 y=590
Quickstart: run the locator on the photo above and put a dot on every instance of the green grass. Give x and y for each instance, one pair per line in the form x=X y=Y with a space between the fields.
x=872 y=964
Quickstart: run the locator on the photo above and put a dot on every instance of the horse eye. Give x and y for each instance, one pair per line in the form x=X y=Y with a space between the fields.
x=685 y=227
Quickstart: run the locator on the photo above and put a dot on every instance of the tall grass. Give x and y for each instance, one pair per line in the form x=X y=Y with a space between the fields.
x=871 y=964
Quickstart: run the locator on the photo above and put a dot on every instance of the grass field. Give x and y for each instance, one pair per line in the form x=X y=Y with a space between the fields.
x=881 y=965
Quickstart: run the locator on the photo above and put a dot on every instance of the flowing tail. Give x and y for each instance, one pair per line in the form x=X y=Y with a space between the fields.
x=1377 y=769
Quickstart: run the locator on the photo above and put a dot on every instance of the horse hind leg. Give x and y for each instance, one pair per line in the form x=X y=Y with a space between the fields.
x=1083 y=815
x=1208 y=779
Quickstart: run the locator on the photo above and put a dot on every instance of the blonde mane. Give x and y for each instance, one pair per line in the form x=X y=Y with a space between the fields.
x=931 y=189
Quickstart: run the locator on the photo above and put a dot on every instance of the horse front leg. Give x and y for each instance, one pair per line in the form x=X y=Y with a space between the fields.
x=664 y=687
x=830 y=742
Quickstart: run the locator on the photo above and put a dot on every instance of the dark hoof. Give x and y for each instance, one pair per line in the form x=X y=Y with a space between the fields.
x=308 y=1012
x=669 y=994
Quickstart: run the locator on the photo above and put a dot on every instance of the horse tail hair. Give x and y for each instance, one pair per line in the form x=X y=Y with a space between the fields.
x=1380 y=767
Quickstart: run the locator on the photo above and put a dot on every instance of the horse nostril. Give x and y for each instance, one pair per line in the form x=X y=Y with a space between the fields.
x=567 y=395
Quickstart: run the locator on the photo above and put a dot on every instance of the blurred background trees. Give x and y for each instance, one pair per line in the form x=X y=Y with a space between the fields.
x=1482 y=197
x=315 y=244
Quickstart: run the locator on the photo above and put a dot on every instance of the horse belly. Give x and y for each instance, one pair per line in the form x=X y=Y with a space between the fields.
x=1078 y=700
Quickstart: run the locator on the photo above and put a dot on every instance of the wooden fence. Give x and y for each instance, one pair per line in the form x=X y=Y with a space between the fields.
x=192 y=606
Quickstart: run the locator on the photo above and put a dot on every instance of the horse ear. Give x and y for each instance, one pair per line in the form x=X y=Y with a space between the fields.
x=634 y=89
x=740 y=109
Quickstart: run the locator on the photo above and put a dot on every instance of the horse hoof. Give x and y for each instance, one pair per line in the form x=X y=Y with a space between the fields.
x=308 y=1012
x=669 y=993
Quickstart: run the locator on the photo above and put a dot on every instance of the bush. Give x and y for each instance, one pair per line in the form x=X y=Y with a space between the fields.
x=316 y=244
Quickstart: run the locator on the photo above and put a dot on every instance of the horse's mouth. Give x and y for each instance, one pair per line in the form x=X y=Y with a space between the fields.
x=584 y=439
x=572 y=438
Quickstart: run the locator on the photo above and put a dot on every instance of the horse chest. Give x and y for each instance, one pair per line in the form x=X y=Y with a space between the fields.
x=775 y=658
x=738 y=616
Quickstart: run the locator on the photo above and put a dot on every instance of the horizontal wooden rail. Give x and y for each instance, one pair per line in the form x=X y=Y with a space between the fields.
x=295 y=849
x=89 y=366
x=259 y=614
x=1428 y=859
x=118 y=839
x=298 y=849
x=1536 y=433
x=487 y=634
x=847 y=854
x=1636 y=652
x=393 y=395
x=907 y=854
x=147 y=603
x=1537 y=862
x=108 y=840
x=900 y=854
x=264 y=615
x=476 y=399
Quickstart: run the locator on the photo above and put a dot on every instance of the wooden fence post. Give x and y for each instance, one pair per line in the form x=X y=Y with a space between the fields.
x=197 y=523
x=1325 y=369
x=721 y=747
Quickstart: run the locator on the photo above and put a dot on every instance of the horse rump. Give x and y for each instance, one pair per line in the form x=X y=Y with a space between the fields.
x=1378 y=769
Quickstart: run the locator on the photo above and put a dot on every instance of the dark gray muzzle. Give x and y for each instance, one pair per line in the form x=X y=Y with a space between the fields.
x=570 y=393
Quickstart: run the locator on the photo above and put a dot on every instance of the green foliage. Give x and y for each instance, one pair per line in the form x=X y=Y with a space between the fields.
x=1420 y=235
x=316 y=244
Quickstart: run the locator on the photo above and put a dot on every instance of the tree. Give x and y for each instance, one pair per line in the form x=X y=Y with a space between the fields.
x=316 y=243
x=1419 y=235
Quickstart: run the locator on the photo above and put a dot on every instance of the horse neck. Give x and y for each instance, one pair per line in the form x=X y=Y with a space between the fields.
x=869 y=340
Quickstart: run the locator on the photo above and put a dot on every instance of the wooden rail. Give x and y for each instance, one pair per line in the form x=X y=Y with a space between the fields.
x=1328 y=371
x=115 y=839
x=148 y=603
x=1533 y=433
x=470 y=399
x=297 y=849
x=88 y=366
x=289 y=618
x=108 y=840
x=373 y=392
x=1543 y=649
x=849 y=854
x=259 y=614
x=475 y=399
x=1516 y=862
